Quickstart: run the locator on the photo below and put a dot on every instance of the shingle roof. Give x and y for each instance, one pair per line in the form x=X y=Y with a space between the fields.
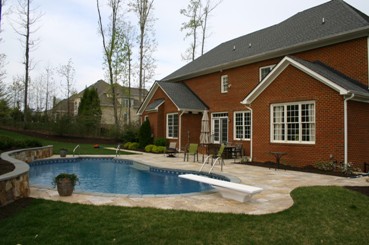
x=182 y=96
x=313 y=25
x=335 y=76
x=334 y=79
x=154 y=105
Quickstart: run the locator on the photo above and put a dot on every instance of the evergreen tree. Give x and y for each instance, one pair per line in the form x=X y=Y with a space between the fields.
x=89 y=110
x=144 y=135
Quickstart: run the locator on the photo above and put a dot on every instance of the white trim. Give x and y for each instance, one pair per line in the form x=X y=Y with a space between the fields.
x=285 y=131
x=234 y=125
x=212 y=118
x=222 y=90
x=286 y=61
x=166 y=125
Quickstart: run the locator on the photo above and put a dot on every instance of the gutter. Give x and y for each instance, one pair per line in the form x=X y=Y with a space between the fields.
x=251 y=131
x=345 y=116
x=180 y=131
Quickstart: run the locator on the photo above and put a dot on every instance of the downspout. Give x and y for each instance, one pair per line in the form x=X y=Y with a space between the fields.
x=346 y=129
x=180 y=131
x=251 y=130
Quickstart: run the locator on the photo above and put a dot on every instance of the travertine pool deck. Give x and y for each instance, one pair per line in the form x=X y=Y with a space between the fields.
x=275 y=197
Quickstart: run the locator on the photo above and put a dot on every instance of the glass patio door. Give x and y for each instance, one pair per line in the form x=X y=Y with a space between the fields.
x=220 y=127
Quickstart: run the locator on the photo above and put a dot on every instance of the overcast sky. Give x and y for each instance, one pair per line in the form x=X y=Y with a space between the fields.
x=68 y=29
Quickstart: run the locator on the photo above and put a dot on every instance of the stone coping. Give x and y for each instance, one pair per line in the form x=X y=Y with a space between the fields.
x=21 y=167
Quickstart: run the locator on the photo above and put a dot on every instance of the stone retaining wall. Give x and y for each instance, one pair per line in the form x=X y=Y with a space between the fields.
x=15 y=184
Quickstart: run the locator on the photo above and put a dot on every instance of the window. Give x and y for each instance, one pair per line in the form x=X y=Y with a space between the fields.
x=242 y=125
x=293 y=122
x=264 y=71
x=224 y=84
x=172 y=125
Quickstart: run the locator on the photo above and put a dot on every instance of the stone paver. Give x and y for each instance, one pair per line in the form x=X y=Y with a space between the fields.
x=274 y=198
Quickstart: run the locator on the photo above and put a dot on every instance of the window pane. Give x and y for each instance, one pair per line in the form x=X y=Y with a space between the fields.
x=296 y=125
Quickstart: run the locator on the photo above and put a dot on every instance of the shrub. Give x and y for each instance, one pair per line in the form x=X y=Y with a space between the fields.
x=7 y=143
x=130 y=133
x=161 y=142
x=133 y=146
x=126 y=145
x=158 y=149
x=148 y=148
x=144 y=135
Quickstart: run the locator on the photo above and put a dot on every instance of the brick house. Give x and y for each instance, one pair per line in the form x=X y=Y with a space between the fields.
x=300 y=87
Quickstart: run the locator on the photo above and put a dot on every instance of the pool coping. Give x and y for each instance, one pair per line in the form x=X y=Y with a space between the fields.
x=275 y=197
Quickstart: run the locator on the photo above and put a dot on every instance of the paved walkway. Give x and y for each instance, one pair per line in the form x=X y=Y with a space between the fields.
x=275 y=197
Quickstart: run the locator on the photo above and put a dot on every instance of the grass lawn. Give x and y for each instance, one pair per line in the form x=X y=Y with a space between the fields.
x=84 y=149
x=320 y=215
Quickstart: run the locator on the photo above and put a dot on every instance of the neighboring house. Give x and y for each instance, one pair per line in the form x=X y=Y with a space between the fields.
x=299 y=87
x=126 y=104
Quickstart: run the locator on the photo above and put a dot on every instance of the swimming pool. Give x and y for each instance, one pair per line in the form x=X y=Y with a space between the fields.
x=114 y=176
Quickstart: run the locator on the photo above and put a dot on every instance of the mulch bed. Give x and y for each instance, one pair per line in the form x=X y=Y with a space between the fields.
x=306 y=169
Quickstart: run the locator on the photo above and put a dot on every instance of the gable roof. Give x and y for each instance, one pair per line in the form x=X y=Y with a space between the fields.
x=181 y=96
x=321 y=72
x=331 y=22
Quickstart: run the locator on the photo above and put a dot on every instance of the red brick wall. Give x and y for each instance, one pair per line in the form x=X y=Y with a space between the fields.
x=350 y=58
x=294 y=86
x=358 y=132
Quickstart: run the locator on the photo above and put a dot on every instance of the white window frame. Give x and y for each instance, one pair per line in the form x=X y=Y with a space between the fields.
x=270 y=68
x=286 y=126
x=244 y=125
x=224 y=82
x=170 y=128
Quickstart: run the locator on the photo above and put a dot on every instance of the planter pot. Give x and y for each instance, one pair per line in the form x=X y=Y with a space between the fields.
x=63 y=153
x=65 y=187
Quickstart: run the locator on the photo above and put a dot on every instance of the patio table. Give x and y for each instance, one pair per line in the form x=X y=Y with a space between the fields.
x=278 y=156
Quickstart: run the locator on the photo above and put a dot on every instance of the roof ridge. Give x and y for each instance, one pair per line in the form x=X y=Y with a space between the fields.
x=360 y=14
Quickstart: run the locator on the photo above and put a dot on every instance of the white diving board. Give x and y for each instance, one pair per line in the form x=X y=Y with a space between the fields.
x=230 y=190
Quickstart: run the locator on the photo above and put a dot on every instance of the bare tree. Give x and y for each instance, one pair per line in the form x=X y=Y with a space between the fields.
x=193 y=12
x=143 y=10
x=2 y=2
x=67 y=73
x=49 y=82
x=208 y=8
x=2 y=56
x=15 y=92
x=198 y=14
x=109 y=41
x=27 y=19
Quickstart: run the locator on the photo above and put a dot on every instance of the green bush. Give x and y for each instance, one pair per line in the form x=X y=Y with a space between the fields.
x=133 y=146
x=148 y=148
x=158 y=149
x=7 y=143
x=126 y=145
x=161 y=142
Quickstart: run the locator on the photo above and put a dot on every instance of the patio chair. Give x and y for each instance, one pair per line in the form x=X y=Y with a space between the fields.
x=238 y=151
x=192 y=149
x=171 y=150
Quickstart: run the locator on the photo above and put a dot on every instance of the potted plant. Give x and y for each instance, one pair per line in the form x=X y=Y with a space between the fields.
x=65 y=183
x=63 y=152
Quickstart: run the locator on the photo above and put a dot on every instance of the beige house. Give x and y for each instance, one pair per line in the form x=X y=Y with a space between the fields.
x=128 y=103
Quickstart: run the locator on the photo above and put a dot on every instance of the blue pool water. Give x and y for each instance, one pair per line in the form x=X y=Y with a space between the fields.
x=107 y=175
